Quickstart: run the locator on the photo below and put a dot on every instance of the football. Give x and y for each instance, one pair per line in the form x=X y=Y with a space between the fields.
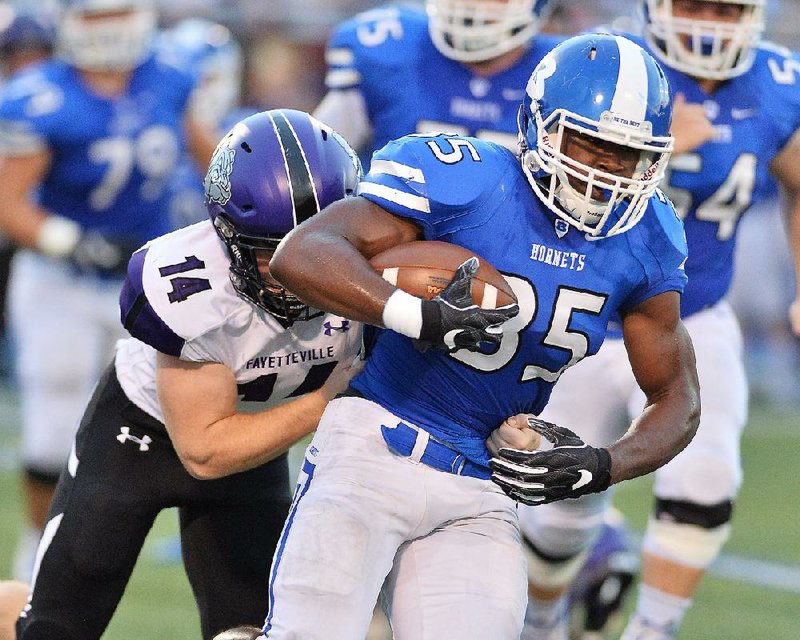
x=425 y=267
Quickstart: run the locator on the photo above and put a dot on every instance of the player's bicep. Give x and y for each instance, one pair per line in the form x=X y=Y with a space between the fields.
x=659 y=347
x=364 y=224
x=193 y=396
x=22 y=173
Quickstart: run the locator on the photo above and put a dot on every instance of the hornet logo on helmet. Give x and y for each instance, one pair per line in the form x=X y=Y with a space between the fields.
x=218 y=179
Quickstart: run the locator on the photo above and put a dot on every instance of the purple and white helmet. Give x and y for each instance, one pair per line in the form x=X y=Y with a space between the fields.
x=268 y=174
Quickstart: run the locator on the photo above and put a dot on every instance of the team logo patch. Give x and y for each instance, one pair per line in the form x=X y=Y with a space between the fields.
x=561 y=227
x=217 y=183
x=143 y=442
x=330 y=328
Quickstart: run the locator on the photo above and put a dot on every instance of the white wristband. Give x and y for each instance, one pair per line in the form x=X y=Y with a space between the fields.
x=403 y=314
x=58 y=236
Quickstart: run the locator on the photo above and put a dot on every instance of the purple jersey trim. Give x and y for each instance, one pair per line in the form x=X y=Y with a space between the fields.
x=138 y=316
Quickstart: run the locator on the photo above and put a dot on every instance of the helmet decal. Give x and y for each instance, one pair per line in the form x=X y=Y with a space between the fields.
x=217 y=182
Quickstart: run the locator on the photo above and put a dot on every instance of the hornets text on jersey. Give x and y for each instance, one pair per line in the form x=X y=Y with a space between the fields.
x=409 y=86
x=474 y=193
x=181 y=302
x=111 y=157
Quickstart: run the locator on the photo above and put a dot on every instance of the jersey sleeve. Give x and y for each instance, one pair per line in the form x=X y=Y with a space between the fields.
x=177 y=294
x=444 y=183
x=369 y=44
x=777 y=70
x=28 y=109
x=662 y=249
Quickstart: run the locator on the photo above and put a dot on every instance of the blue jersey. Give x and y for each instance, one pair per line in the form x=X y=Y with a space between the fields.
x=754 y=115
x=473 y=193
x=409 y=86
x=111 y=158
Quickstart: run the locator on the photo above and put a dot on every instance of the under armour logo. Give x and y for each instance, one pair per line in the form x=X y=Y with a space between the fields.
x=329 y=328
x=143 y=442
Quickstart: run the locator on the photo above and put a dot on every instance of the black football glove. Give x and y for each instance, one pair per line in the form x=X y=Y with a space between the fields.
x=453 y=321
x=94 y=253
x=570 y=469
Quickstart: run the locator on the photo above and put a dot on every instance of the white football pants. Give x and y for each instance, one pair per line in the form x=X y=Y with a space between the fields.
x=445 y=548
x=64 y=327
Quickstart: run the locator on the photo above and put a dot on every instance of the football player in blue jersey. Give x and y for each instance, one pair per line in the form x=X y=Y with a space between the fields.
x=224 y=371
x=455 y=68
x=88 y=142
x=397 y=496
x=749 y=93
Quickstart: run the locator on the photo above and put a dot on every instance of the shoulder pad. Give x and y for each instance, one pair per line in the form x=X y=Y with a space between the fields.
x=178 y=289
x=668 y=220
x=436 y=177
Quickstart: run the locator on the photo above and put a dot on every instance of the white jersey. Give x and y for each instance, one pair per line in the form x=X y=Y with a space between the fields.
x=178 y=299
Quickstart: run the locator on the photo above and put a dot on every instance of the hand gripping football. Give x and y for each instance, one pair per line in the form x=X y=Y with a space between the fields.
x=425 y=267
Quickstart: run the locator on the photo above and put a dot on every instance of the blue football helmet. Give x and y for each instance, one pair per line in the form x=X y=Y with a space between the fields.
x=213 y=56
x=710 y=49
x=270 y=172
x=24 y=31
x=480 y=30
x=604 y=89
x=106 y=35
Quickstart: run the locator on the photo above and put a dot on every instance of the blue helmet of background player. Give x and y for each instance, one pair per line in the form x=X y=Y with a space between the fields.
x=268 y=174
x=23 y=32
x=479 y=30
x=606 y=89
x=106 y=35
x=213 y=56
x=712 y=49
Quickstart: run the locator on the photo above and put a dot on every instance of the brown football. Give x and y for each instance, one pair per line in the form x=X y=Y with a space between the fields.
x=425 y=267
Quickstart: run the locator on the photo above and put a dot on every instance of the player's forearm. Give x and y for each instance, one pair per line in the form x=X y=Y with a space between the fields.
x=243 y=441
x=24 y=223
x=793 y=231
x=667 y=424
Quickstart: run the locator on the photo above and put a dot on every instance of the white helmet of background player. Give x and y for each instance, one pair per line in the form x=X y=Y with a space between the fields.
x=479 y=30
x=711 y=49
x=596 y=89
x=106 y=35
x=212 y=54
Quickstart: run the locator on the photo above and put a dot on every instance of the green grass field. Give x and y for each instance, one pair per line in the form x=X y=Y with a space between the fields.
x=158 y=604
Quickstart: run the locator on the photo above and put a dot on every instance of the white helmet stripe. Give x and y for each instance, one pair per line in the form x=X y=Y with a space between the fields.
x=630 y=97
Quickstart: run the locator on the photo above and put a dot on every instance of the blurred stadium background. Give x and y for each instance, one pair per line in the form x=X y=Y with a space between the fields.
x=754 y=590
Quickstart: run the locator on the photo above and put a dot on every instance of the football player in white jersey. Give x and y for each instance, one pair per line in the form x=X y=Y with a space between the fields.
x=224 y=371
x=88 y=141
x=747 y=134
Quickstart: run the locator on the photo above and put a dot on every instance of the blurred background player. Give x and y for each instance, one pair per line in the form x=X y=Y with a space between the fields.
x=456 y=67
x=88 y=142
x=214 y=57
x=745 y=130
x=224 y=372
x=25 y=38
